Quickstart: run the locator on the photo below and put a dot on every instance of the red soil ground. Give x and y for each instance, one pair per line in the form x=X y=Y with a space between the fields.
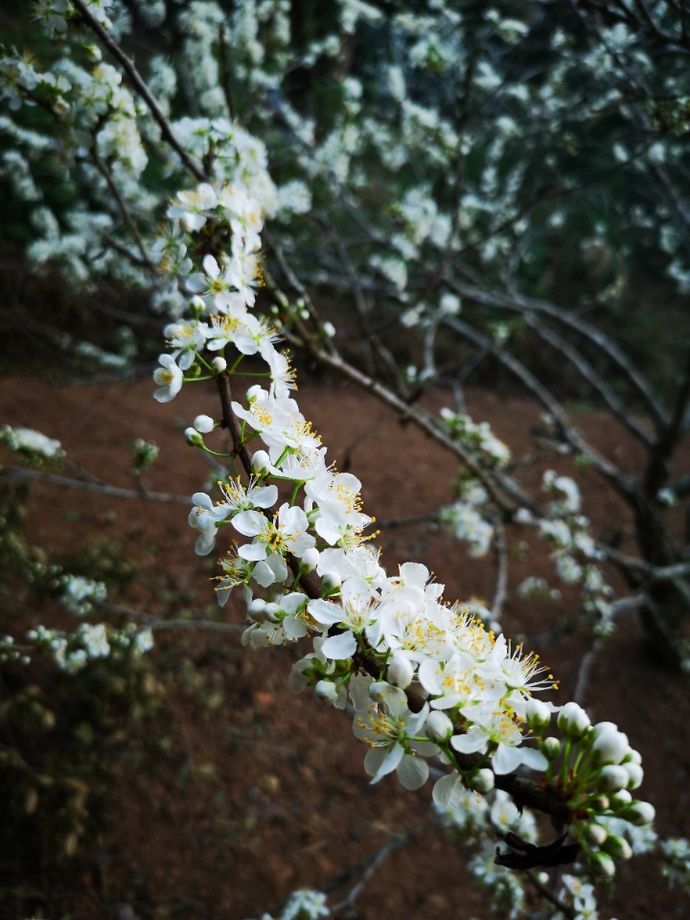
x=239 y=792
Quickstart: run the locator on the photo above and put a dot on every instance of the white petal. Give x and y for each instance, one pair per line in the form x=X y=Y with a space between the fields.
x=205 y=542
x=339 y=647
x=469 y=743
x=252 y=552
x=534 y=759
x=263 y=574
x=264 y=497
x=428 y=676
x=325 y=611
x=388 y=763
x=506 y=759
x=414 y=573
x=249 y=523
x=210 y=266
x=448 y=791
x=413 y=772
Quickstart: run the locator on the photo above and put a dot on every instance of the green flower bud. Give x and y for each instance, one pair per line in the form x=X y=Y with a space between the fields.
x=618 y=847
x=639 y=813
x=537 y=714
x=621 y=799
x=550 y=748
x=595 y=834
x=573 y=721
x=438 y=726
x=603 y=865
x=612 y=778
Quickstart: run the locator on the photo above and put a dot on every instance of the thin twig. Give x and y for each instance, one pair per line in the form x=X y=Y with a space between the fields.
x=17 y=472
x=549 y=896
x=501 y=592
x=585 y=669
x=124 y=210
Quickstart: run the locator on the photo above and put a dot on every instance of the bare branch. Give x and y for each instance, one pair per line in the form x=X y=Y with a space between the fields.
x=501 y=552
x=18 y=472
x=622 y=483
x=562 y=346
x=521 y=304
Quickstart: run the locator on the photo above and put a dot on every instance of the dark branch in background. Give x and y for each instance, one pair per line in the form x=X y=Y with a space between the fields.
x=501 y=552
x=520 y=303
x=572 y=437
x=225 y=70
x=587 y=371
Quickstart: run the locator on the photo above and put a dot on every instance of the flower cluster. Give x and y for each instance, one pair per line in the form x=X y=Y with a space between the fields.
x=79 y=594
x=466 y=518
x=576 y=554
x=425 y=678
x=72 y=652
x=30 y=444
x=477 y=436
x=597 y=771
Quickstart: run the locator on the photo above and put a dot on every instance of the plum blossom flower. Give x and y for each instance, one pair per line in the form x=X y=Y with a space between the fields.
x=189 y=207
x=498 y=728
x=286 y=532
x=355 y=611
x=389 y=728
x=168 y=378
x=186 y=337
x=207 y=517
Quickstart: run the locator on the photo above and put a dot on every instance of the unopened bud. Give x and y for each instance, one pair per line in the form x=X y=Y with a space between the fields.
x=256 y=609
x=618 y=847
x=550 y=748
x=621 y=799
x=204 y=424
x=537 y=713
x=193 y=437
x=332 y=580
x=326 y=690
x=93 y=53
x=400 y=671
x=310 y=558
x=609 y=745
x=612 y=778
x=438 y=726
x=603 y=865
x=601 y=803
x=260 y=462
x=635 y=774
x=197 y=306
x=573 y=721
x=639 y=813
x=219 y=364
x=483 y=780
x=595 y=834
